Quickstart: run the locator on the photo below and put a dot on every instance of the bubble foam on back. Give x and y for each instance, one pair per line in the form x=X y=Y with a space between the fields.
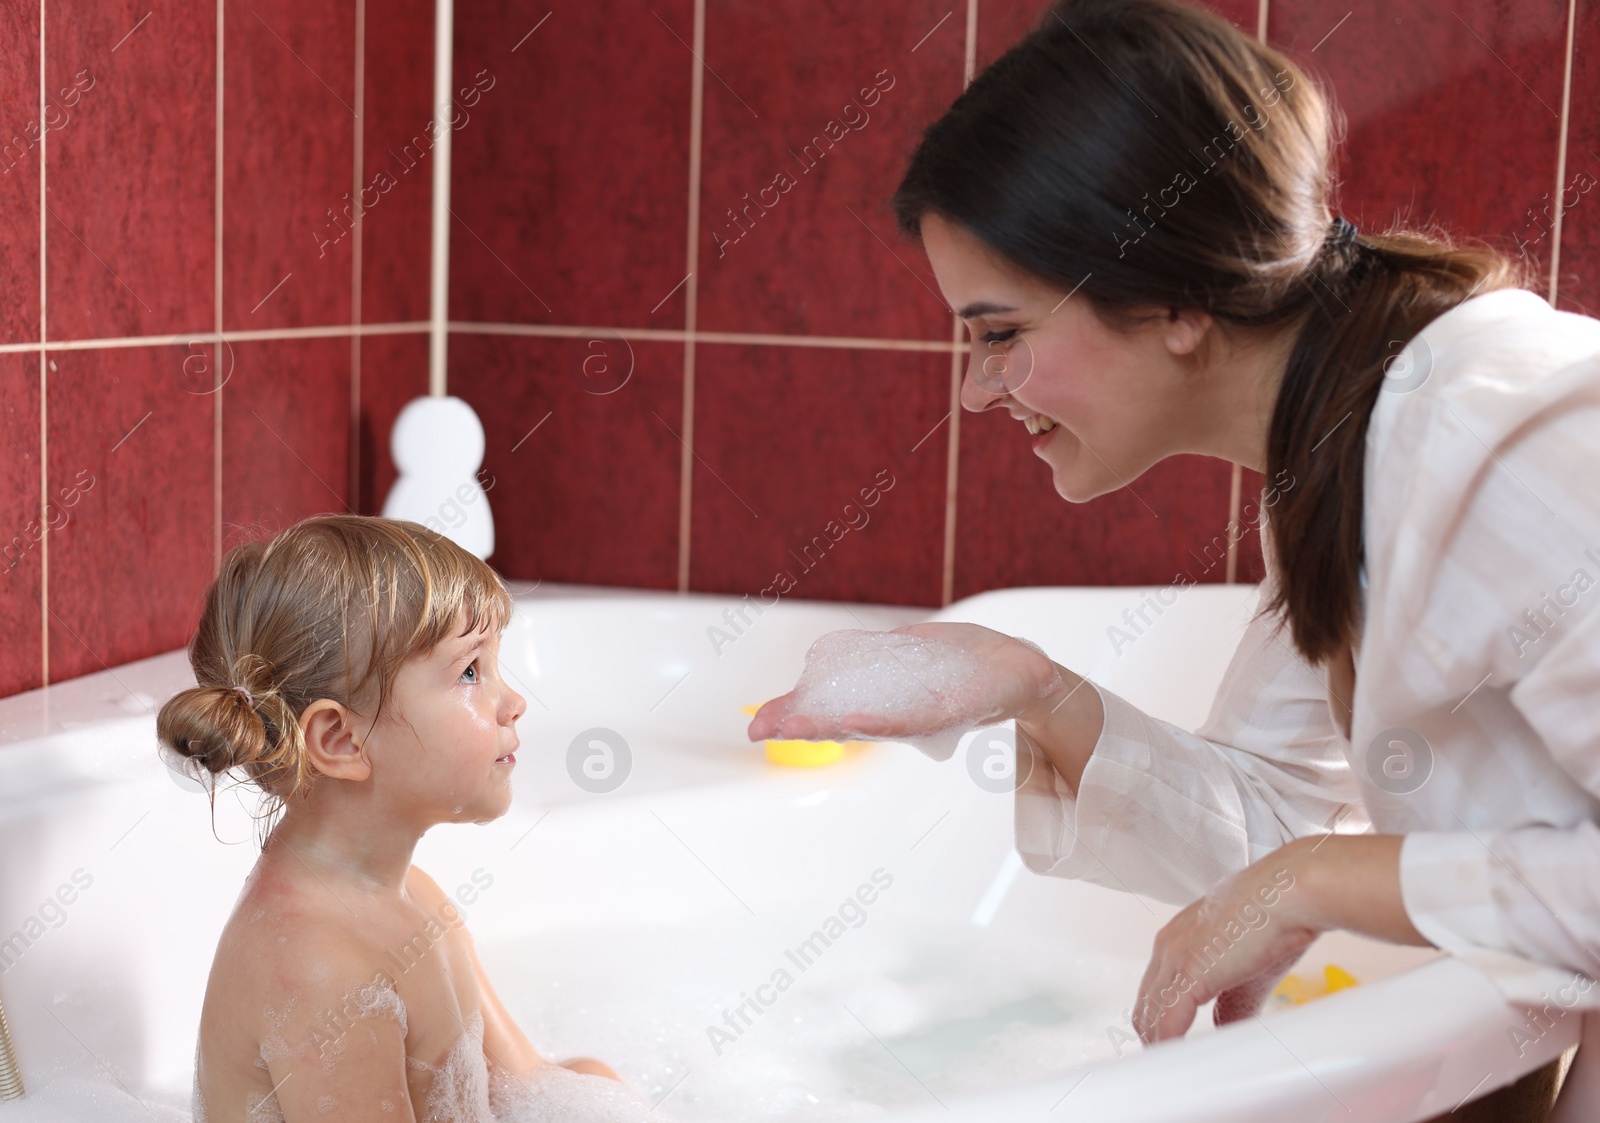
x=553 y=1094
x=375 y=1001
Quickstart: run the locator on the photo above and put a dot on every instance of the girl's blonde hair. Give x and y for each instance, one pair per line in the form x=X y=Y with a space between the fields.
x=329 y=608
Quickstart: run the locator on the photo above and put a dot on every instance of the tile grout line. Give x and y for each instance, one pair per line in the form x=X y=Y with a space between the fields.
x=44 y=389
x=1236 y=471
x=216 y=301
x=675 y=335
x=1561 y=155
x=952 y=468
x=471 y=327
x=691 y=295
x=358 y=170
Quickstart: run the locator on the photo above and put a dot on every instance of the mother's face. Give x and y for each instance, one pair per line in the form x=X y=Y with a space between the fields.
x=1118 y=398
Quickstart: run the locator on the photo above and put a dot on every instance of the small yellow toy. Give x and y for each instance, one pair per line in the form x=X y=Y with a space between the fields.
x=805 y=754
x=1295 y=991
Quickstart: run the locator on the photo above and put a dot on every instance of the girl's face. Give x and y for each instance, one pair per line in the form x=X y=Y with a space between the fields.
x=445 y=746
x=1116 y=399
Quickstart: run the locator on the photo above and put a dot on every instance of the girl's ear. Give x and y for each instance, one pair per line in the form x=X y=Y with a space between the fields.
x=330 y=736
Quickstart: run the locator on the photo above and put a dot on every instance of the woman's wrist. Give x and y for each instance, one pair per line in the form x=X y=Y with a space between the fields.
x=1351 y=882
x=1065 y=724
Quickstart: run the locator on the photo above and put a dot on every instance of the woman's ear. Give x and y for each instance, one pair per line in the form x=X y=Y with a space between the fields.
x=330 y=736
x=1185 y=330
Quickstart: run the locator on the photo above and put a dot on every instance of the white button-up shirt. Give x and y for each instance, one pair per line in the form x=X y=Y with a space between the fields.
x=1476 y=718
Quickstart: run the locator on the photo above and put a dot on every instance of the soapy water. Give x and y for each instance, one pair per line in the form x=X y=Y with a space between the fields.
x=552 y=1094
x=462 y=1091
x=917 y=681
x=962 y=1008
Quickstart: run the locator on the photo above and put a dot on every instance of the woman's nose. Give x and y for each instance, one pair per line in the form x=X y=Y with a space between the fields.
x=979 y=391
x=975 y=400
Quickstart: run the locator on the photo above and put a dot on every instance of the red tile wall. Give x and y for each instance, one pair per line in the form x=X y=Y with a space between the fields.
x=667 y=404
x=19 y=172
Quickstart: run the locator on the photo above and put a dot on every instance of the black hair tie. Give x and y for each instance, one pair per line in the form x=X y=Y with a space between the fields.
x=1344 y=231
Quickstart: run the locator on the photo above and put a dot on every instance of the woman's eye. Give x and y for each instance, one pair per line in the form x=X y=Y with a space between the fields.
x=999 y=336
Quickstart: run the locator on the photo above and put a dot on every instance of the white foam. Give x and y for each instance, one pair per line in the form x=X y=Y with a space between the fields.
x=375 y=1001
x=273 y=1045
x=966 y=1008
x=65 y=1094
x=935 y=688
x=553 y=1094
x=460 y=1090
x=926 y=681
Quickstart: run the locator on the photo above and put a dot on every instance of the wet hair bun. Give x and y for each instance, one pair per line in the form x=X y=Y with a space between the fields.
x=211 y=729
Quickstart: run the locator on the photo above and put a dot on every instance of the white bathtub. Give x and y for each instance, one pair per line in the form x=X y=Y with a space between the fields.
x=624 y=924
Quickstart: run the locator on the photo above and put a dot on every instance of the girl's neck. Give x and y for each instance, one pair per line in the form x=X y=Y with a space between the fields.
x=355 y=843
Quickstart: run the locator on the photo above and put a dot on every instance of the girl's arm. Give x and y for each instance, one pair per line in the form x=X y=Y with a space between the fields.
x=505 y=1046
x=504 y=1043
x=347 y=1068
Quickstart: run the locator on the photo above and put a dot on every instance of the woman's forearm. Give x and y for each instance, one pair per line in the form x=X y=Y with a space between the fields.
x=1352 y=882
x=1065 y=725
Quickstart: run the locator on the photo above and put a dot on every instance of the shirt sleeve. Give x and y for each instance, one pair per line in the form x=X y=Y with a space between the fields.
x=1521 y=900
x=1168 y=813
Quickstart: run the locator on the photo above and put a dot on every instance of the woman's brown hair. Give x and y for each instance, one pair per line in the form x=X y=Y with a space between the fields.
x=1149 y=154
x=329 y=608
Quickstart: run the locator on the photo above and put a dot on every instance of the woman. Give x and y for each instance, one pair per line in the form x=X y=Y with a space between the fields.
x=1131 y=211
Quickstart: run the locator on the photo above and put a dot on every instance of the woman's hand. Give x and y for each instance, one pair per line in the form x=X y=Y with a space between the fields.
x=1012 y=675
x=1235 y=943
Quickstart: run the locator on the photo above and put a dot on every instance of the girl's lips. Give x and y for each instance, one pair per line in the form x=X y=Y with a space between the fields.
x=1039 y=439
x=509 y=758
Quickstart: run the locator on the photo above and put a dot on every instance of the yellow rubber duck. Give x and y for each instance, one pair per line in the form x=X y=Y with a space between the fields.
x=805 y=754
x=1295 y=991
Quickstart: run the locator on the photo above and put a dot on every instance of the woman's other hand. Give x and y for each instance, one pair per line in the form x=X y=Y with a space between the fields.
x=1236 y=942
x=1234 y=945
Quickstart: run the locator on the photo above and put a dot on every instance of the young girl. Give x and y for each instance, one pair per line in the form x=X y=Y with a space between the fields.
x=350 y=668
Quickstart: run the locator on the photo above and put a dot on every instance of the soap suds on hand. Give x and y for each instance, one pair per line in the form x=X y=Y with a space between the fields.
x=925 y=683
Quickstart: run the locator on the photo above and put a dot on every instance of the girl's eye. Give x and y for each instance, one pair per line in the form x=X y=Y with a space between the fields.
x=999 y=336
x=472 y=669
